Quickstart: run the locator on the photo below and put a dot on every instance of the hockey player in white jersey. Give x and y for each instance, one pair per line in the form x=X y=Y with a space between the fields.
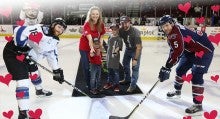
x=38 y=42
x=32 y=16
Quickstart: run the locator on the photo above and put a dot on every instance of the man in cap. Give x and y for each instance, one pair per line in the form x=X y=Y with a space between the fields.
x=132 y=40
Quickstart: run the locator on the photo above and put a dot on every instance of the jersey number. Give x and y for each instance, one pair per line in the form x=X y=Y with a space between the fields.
x=175 y=44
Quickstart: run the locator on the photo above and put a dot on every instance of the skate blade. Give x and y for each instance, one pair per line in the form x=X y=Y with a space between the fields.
x=43 y=96
x=173 y=98
x=200 y=113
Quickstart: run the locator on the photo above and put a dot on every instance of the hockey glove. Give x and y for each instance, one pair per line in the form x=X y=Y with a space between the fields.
x=58 y=75
x=164 y=74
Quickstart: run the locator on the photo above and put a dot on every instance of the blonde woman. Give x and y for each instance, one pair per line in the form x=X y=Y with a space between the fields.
x=93 y=28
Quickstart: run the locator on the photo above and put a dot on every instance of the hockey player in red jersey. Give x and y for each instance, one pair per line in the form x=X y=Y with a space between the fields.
x=184 y=52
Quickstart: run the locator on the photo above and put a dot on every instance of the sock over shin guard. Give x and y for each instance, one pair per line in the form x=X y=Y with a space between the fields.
x=178 y=83
x=197 y=91
x=36 y=80
x=22 y=94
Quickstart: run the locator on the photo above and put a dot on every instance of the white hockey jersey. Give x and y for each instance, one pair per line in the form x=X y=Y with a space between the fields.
x=41 y=44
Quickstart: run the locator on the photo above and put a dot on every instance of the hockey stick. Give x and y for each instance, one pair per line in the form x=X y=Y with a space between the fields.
x=127 y=117
x=43 y=67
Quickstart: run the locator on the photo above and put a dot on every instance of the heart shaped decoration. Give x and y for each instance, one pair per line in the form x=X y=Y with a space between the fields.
x=6 y=11
x=20 y=22
x=215 y=8
x=33 y=77
x=6 y=80
x=36 y=37
x=187 y=39
x=185 y=8
x=200 y=20
x=9 y=38
x=199 y=98
x=215 y=78
x=199 y=54
x=215 y=39
x=8 y=114
x=36 y=114
x=187 y=117
x=20 y=57
x=212 y=115
x=187 y=78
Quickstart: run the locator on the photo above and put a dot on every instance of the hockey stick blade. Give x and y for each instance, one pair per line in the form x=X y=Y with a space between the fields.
x=148 y=93
x=116 y=117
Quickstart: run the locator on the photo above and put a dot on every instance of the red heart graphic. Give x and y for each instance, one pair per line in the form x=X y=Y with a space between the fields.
x=215 y=78
x=212 y=115
x=187 y=78
x=33 y=77
x=36 y=114
x=199 y=98
x=187 y=39
x=20 y=94
x=215 y=8
x=215 y=39
x=6 y=80
x=36 y=37
x=200 y=20
x=9 y=38
x=6 y=11
x=8 y=114
x=20 y=22
x=20 y=57
x=185 y=8
x=199 y=54
x=188 y=117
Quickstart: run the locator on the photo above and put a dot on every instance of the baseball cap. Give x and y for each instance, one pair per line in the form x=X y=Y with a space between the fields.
x=114 y=26
x=125 y=19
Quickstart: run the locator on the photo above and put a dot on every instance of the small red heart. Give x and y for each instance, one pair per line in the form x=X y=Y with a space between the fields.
x=33 y=77
x=212 y=115
x=6 y=11
x=8 y=114
x=187 y=39
x=215 y=78
x=188 y=117
x=200 y=20
x=20 y=22
x=9 y=38
x=36 y=114
x=199 y=98
x=215 y=39
x=20 y=94
x=185 y=8
x=20 y=57
x=6 y=80
x=36 y=37
x=187 y=78
x=215 y=8
x=199 y=54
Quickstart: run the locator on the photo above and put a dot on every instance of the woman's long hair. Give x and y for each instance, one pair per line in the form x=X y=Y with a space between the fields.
x=99 y=22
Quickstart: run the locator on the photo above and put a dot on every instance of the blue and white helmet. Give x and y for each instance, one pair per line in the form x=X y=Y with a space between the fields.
x=165 y=19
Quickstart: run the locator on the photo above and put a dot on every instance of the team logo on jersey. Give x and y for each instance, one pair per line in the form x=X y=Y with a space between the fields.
x=172 y=36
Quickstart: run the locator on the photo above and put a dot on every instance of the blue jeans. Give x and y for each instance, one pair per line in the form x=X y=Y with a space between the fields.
x=85 y=66
x=128 y=56
x=113 y=76
x=95 y=76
